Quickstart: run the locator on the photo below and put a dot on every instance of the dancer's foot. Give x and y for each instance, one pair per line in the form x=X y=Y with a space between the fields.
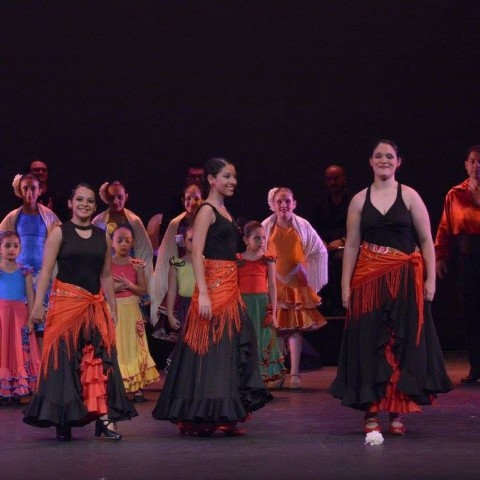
x=275 y=384
x=63 y=434
x=397 y=427
x=295 y=382
x=370 y=424
x=138 y=397
x=103 y=427
x=472 y=377
x=231 y=430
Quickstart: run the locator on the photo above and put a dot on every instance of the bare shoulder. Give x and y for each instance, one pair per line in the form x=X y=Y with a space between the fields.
x=205 y=214
x=410 y=196
x=358 y=200
x=55 y=234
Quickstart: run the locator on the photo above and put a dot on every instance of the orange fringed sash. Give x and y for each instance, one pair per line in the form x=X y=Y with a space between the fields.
x=379 y=267
x=222 y=284
x=71 y=310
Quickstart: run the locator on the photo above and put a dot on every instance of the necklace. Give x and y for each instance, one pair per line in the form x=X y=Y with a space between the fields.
x=83 y=227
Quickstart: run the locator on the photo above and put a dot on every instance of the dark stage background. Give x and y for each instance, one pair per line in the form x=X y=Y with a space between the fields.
x=141 y=90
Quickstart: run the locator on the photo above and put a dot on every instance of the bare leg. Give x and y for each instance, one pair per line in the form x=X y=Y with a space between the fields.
x=295 y=341
x=281 y=343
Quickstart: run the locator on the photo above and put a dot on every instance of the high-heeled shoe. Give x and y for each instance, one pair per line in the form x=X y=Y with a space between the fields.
x=64 y=434
x=295 y=382
x=231 y=430
x=397 y=427
x=370 y=424
x=275 y=384
x=101 y=426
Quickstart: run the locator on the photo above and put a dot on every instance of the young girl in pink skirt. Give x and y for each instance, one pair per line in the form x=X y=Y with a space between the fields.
x=19 y=353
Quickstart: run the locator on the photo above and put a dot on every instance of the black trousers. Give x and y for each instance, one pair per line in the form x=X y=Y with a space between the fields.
x=469 y=290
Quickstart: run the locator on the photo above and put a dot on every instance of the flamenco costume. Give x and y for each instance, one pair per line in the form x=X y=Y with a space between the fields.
x=296 y=301
x=80 y=379
x=19 y=353
x=136 y=364
x=390 y=358
x=214 y=381
x=253 y=284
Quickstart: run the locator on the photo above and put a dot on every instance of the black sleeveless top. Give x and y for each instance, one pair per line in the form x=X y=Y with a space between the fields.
x=80 y=260
x=221 y=241
x=394 y=229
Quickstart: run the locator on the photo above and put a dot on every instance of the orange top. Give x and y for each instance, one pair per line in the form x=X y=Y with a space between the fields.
x=253 y=275
x=287 y=245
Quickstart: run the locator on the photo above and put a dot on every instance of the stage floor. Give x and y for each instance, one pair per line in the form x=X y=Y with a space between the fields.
x=300 y=435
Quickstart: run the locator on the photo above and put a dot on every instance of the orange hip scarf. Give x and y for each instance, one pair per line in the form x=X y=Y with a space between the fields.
x=222 y=284
x=378 y=276
x=71 y=311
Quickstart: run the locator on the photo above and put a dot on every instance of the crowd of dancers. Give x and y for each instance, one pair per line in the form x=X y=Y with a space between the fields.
x=75 y=296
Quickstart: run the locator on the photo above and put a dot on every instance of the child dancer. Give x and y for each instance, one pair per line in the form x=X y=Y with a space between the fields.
x=136 y=365
x=256 y=275
x=19 y=353
x=181 y=283
x=302 y=263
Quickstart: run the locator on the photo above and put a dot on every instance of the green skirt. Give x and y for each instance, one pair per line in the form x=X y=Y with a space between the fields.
x=270 y=358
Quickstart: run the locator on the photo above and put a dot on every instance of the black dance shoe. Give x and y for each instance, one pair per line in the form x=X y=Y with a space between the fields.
x=64 y=434
x=472 y=377
x=101 y=426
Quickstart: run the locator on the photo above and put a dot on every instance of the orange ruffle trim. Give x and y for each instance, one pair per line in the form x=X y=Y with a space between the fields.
x=94 y=382
x=297 y=308
x=394 y=400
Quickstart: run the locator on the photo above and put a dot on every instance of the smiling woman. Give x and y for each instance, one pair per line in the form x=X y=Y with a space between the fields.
x=390 y=359
x=214 y=381
x=80 y=380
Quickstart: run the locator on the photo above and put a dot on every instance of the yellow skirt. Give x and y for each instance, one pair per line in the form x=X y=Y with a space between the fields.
x=136 y=365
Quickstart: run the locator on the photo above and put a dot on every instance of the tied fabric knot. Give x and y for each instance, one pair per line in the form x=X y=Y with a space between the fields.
x=73 y=310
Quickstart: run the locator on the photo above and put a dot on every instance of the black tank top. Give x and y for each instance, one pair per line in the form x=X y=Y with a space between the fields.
x=80 y=260
x=394 y=229
x=221 y=241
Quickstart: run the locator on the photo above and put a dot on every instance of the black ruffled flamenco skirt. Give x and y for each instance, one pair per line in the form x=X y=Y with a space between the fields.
x=221 y=387
x=363 y=371
x=60 y=397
